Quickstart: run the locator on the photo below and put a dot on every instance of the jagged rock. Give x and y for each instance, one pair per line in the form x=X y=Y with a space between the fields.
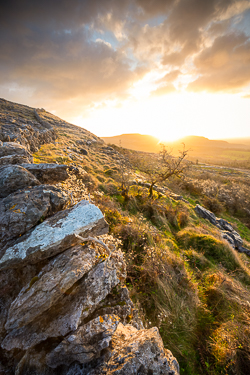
x=235 y=237
x=14 y=149
x=228 y=238
x=23 y=209
x=83 y=151
x=51 y=173
x=74 y=305
x=11 y=282
x=20 y=124
x=85 y=343
x=138 y=352
x=119 y=303
x=33 y=363
x=205 y=214
x=242 y=249
x=227 y=231
x=13 y=178
x=14 y=159
x=224 y=225
x=54 y=235
x=55 y=279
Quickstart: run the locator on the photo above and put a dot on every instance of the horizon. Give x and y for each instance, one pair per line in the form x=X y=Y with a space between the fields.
x=187 y=136
x=164 y=68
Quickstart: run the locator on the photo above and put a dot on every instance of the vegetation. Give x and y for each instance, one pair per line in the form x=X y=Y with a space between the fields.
x=181 y=275
x=162 y=168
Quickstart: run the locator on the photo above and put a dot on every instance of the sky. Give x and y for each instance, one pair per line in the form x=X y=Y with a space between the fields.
x=168 y=68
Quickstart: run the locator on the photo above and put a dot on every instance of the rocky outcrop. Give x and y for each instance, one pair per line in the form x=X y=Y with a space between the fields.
x=86 y=343
x=54 y=235
x=24 y=125
x=22 y=210
x=13 y=159
x=227 y=231
x=14 y=153
x=64 y=308
x=138 y=352
x=13 y=178
x=51 y=173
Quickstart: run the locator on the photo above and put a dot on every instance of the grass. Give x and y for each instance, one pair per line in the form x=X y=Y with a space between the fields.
x=182 y=277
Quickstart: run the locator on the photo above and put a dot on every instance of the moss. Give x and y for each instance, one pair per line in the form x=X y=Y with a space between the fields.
x=33 y=281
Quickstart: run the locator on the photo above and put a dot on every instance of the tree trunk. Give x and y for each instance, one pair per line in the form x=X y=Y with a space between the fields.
x=151 y=189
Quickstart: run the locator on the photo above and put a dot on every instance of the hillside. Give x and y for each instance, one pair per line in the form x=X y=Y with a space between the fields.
x=162 y=277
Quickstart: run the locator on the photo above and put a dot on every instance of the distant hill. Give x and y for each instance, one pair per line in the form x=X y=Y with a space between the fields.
x=138 y=142
x=200 y=148
x=194 y=141
x=148 y=143
x=245 y=141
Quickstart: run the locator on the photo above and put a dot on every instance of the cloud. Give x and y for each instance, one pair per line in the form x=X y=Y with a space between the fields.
x=225 y=65
x=81 y=52
x=164 y=90
x=171 y=76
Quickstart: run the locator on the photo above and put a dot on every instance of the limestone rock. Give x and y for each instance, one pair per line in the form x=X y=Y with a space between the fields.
x=242 y=249
x=205 y=214
x=13 y=178
x=227 y=231
x=55 y=234
x=23 y=209
x=138 y=352
x=12 y=148
x=74 y=305
x=13 y=159
x=11 y=282
x=85 y=343
x=21 y=125
x=55 y=279
x=83 y=151
x=119 y=303
x=50 y=173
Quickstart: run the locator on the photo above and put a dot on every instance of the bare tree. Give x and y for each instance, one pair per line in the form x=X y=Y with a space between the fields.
x=159 y=169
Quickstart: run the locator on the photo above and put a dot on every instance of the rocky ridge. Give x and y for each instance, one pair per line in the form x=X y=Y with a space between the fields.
x=64 y=309
x=227 y=231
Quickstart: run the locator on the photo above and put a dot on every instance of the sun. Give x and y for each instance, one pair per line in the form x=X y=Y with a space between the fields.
x=169 y=117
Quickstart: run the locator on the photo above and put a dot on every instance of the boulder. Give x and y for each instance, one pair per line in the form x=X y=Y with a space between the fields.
x=51 y=173
x=14 y=159
x=55 y=235
x=86 y=343
x=15 y=149
x=137 y=352
x=83 y=151
x=13 y=178
x=227 y=231
x=242 y=249
x=71 y=307
x=11 y=282
x=23 y=209
x=48 y=286
x=119 y=303
x=205 y=214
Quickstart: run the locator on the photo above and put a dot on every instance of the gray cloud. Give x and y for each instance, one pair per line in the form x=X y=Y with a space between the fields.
x=225 y=65
x=83 y=51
